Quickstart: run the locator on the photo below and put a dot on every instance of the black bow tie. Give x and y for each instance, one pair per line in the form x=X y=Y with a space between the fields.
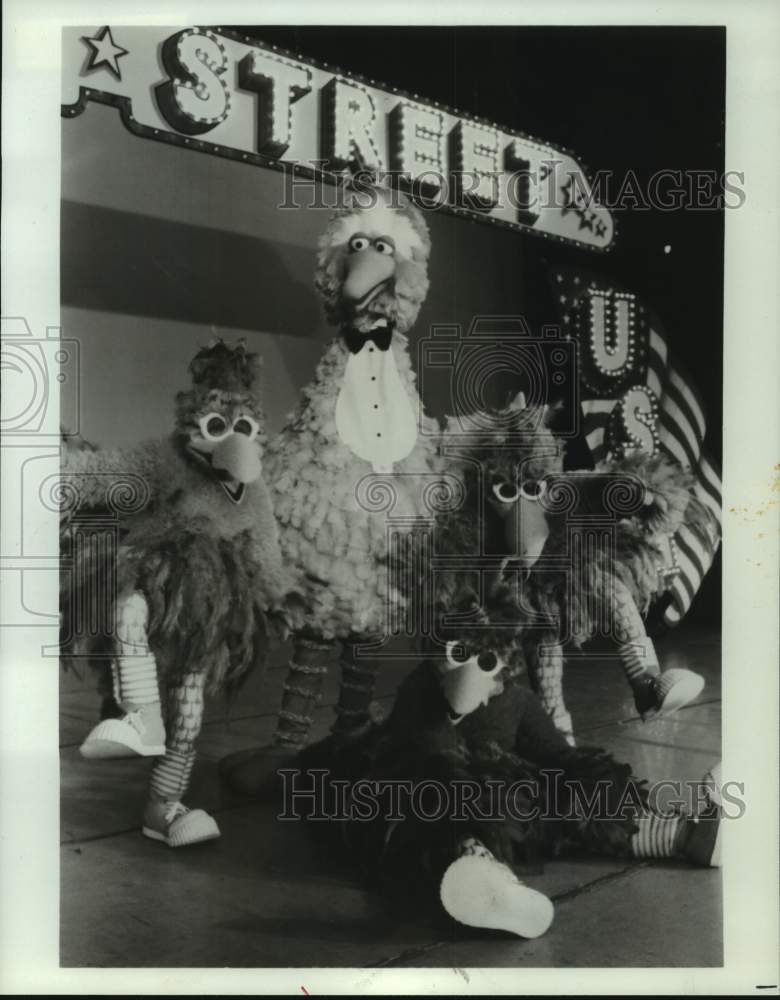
x=381 y=336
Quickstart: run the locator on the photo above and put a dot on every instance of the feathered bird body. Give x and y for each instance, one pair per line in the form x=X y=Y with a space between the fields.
x=209 y=568
x=637 y=552
x=586 y=551
x=333 y=510
x=333 y=504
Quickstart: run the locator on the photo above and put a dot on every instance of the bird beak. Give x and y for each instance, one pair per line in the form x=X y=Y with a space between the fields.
x=526 y=532
x=367 y=273
x=237 y=458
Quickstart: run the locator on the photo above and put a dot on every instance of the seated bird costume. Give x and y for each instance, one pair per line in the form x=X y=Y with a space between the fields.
x=464 y=729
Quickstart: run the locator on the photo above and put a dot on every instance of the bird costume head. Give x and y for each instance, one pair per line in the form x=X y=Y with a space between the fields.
x=480 y=644
x=219 y=421
x=372 y=268
x=505 y=479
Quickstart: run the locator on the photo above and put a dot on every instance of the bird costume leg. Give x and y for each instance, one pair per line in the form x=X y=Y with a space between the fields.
x=358 y=679
x=545 y=672
x=166 y=818
x=255 y=771
x=692 y=837
x=655 y=693
x=301 y=692
x=140 y=730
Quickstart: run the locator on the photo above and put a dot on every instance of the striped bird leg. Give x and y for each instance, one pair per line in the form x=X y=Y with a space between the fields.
x=139 y=729
x=545 y=673
x=695 y=838
x=654 y=692
x=358 y=679
x=301 y=692
x=166 y=818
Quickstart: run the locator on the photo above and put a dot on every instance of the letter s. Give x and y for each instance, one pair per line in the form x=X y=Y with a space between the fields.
x=196 y=98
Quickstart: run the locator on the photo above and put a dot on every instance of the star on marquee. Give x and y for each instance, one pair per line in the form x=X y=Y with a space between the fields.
x=104 y=52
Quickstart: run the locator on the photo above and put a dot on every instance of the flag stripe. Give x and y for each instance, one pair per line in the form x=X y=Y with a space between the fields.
x=686 y=583
x=658 y=346
x=709 y=477
x=681 y=403
x=672 y=444
x=694 y=551
x=691 y=389
x=678 y=424
x=687 y=401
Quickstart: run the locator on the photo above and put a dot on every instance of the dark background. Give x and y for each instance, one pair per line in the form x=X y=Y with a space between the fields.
x=639 y=99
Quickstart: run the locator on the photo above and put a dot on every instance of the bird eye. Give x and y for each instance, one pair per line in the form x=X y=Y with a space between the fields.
x=213 y=426
x=532 y=489
x=385 y=247
x=457 y=654
x=506 y=491
x=487 y=661
x=246 y=425
x=358 y=243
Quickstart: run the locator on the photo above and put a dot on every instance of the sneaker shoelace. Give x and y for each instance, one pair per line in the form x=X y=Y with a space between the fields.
x=174 y=811
x=135 y=718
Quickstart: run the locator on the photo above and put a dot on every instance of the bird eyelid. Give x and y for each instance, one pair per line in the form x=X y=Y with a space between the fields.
x=387 y=241
x=214 y=426
x=358 y=242
x=506 y=491
x=251 y=428
x=457 y=653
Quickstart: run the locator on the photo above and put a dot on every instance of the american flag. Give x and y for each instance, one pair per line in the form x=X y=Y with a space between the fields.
x=680 y=423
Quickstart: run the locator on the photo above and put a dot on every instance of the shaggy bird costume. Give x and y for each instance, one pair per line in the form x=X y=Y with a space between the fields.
x=198 y=567
x=469 y=776
x=357 y=450
x=521 y=506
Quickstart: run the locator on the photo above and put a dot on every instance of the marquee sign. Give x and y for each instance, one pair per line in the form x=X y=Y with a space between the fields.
x=217 y=92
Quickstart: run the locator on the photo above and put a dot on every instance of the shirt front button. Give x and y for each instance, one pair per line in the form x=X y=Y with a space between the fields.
x=373 y=378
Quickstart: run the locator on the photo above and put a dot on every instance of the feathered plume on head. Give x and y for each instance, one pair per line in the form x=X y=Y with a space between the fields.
x=376 y=212
x=226 y=381
x=232 y=369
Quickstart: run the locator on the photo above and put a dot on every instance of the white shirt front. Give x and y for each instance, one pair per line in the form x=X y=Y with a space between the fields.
x=374 y=416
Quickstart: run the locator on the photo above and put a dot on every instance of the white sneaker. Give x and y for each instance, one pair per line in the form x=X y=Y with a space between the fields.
x=480 y=891
x=174 y=824
x=139 y=732
x=676 y=688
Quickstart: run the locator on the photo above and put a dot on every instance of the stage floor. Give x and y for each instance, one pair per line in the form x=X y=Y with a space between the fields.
x=263 y=896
